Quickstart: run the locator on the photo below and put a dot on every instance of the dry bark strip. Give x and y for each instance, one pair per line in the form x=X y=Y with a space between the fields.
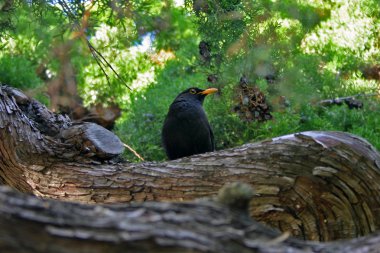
x=315 y=185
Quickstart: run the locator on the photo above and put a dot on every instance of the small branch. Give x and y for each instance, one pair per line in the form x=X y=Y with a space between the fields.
x=133 y=151
x=98 y=61
x=100 y=58
x=351 y=101
x=80 y=33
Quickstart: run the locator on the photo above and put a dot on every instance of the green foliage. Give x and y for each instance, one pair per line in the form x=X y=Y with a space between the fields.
x=349 y=37
x=363 y=122
x=135 y=69
x=26 y=42
x=32 y=35
x=18 y=72
x=169 y=27
x=313 y=50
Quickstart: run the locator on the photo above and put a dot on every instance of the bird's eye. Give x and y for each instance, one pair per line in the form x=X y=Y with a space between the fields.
x=193 y=91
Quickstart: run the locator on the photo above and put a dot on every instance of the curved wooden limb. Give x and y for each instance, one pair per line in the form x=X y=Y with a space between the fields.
x=315 y=185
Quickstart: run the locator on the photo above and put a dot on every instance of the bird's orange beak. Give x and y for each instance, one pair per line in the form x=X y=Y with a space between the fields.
x=208 y=91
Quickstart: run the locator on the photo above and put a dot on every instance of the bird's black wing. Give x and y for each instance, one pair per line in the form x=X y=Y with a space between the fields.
x=205 y=133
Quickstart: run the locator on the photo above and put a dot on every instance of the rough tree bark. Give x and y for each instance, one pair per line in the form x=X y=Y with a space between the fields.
x=315 y=185
x=32 y=225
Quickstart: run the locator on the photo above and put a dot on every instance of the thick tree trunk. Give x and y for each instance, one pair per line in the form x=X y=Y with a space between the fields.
x=315 y=185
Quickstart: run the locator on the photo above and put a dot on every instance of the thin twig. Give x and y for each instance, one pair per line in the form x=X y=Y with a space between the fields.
x=67 y=10
x=340 y=100
x=100 y=63
x=99 y=58
x=133 y=151
x=106 y=63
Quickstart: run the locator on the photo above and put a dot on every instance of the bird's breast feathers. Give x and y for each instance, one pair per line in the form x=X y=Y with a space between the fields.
x=185 y=110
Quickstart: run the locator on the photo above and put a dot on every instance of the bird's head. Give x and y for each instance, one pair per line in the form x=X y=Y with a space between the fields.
x=196 y=94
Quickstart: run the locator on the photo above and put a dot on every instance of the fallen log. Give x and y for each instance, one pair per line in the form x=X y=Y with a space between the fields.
x=314 y=185
x=30 y=224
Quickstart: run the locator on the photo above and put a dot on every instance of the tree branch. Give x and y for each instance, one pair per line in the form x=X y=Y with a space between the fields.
x=315 y=185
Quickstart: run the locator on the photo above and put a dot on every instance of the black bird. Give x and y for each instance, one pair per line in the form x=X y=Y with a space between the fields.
x=186 y=130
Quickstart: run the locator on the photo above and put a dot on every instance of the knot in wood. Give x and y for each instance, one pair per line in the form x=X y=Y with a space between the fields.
x=236 y=195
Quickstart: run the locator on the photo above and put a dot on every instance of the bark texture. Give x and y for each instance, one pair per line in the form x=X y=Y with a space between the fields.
x=315 y=185
x=35 y=225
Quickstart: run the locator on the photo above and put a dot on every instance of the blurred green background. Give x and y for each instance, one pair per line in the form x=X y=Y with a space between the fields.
x=294 y=53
